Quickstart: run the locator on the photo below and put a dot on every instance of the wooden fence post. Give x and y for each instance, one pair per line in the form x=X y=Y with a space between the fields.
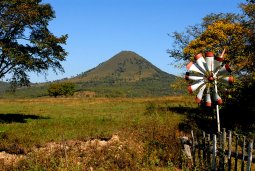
x=208 y=152
x=214 y=167
x=204 y=146
x=193 y=149
x=224 y=137
x=219 y=153
x=243 y=154
x=236 y=152
x=199 y=145
x=229 y=149
x=249 y=161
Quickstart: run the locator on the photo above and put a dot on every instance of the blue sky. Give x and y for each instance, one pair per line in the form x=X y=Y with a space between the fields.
x=99 y=29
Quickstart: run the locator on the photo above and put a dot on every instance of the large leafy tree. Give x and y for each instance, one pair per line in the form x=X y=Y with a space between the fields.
x=26 y=44
x=235 y=33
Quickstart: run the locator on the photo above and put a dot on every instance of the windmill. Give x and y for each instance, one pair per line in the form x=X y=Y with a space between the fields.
x=207 y=73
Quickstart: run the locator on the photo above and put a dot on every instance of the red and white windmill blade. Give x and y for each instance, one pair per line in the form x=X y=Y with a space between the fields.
x=207 y=72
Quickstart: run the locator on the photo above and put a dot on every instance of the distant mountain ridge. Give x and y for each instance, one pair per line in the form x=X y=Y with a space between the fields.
x=126 y=74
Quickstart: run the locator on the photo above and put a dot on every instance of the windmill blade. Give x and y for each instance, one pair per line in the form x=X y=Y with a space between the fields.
x=189 y=76
x=193 y=67
x=200 y=94
x=209 y=58
x=225 y=70
x=218 y=61
x=208 y=98
x=193 y=73
x=195 y=86
x=217 y=98
x=227 y=80
x=200 y=62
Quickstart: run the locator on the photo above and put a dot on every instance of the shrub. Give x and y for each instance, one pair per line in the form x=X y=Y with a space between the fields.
x=61 y=89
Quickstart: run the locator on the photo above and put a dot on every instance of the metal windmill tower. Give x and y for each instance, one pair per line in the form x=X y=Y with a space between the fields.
x=207 y=73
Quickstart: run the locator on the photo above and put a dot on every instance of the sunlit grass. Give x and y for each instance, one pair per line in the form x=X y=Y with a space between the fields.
x=73 y=117
x=57 y=119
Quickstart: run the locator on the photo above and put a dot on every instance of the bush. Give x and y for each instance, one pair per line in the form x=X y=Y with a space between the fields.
x=61 y=89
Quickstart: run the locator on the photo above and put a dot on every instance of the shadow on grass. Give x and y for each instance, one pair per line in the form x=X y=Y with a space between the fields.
x=183 y=110
x=18 y=118
x=197 y=118
x=152 y=108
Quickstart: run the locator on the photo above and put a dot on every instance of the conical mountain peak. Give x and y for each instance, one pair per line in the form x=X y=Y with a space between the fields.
x=126 y=74
x=125 y=66
x=127 y=55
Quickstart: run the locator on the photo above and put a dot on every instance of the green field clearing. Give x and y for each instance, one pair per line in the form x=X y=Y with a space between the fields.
x=50 y=119
x=29 y=123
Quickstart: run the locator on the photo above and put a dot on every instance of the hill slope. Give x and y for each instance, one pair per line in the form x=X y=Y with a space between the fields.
x=126 y=66
x=124 y=75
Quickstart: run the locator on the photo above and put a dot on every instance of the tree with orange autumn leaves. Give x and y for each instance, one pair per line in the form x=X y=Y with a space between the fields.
x=235 y=33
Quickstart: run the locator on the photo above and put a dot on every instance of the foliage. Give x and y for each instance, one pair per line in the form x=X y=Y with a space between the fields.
x=61 y=89
x=239 y=111
x=220 y=35
x=235 y=33
x=251 y=1
x=217 y=31
x=26 y=44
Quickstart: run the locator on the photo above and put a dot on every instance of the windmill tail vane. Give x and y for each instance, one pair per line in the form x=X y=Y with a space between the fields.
x=206 y=73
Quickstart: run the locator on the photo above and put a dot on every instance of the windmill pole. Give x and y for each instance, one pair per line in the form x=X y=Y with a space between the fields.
x=218 y=117
x=217 y=107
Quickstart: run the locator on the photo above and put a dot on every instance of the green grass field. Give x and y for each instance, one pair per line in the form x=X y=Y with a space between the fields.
x=26 y=124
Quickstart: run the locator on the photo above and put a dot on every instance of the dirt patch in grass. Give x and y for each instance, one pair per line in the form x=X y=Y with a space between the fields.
x=75 y=154
x=8 y=160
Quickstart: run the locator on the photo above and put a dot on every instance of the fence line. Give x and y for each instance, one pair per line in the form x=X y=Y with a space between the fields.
x=219 y=152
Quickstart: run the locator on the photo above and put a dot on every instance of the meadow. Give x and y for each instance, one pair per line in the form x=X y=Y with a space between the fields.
x=146 y=128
